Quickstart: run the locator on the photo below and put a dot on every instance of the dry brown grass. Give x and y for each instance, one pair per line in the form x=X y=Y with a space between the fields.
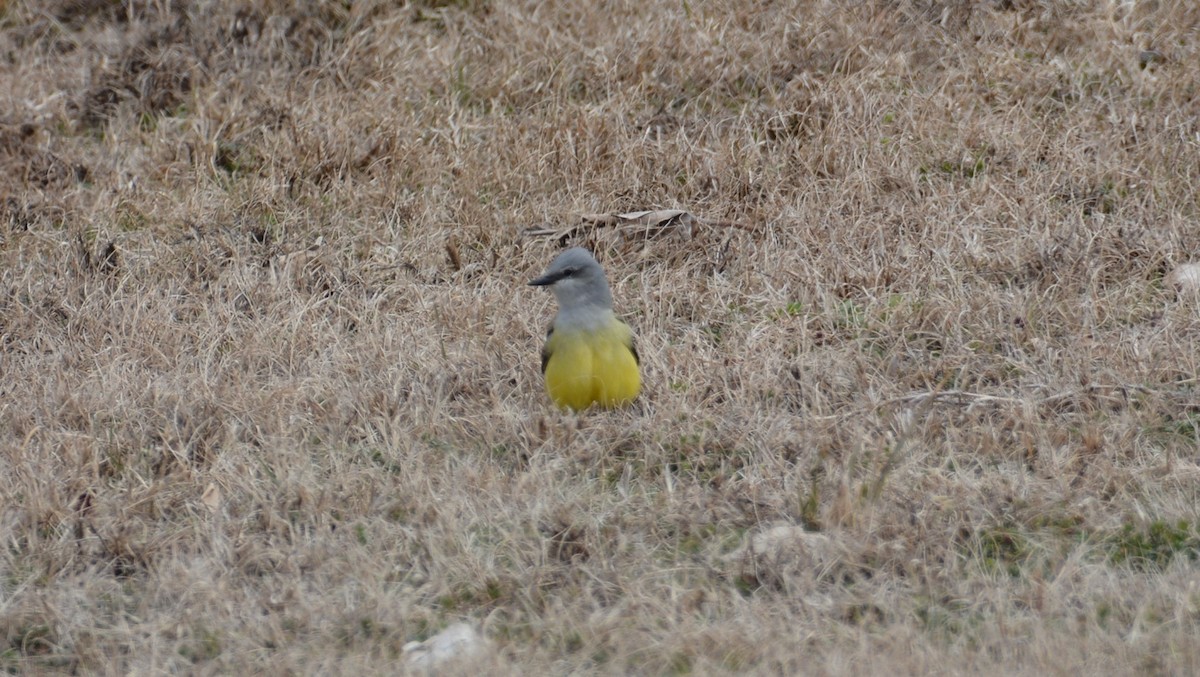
x=255 y=417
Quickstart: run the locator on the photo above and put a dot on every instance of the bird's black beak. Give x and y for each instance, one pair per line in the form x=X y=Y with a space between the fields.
x=546 y=280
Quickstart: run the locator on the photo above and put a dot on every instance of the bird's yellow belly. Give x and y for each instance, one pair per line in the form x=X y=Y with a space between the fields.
x=592 y=367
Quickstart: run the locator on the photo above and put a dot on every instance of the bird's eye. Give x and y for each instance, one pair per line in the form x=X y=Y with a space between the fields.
x=570 y=272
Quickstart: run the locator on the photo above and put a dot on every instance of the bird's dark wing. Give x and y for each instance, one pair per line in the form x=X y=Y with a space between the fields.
x=546 y=349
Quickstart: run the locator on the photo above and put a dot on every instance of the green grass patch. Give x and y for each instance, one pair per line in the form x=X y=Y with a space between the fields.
x=1153 y=546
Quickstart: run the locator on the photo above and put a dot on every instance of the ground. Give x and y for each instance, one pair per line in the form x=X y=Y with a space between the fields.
x=919 y=397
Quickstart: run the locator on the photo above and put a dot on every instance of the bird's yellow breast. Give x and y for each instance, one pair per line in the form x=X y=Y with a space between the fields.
x=592 y=366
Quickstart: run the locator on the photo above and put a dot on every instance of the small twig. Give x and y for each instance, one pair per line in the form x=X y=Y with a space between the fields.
x=970 y=398
x=957 y=395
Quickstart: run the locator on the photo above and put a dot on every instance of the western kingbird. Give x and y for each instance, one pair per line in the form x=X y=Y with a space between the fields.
x=589 y=356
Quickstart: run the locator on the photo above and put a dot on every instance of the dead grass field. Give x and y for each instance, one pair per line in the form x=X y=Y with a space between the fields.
x=918 y=398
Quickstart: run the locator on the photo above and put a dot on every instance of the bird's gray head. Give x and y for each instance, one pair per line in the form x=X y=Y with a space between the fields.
x=576 y=280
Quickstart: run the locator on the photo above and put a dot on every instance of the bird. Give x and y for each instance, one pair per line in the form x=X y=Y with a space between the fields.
x=589 y=356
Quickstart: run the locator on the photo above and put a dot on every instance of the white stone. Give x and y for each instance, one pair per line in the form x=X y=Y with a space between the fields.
x=458 y=643
x=1185 y=279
